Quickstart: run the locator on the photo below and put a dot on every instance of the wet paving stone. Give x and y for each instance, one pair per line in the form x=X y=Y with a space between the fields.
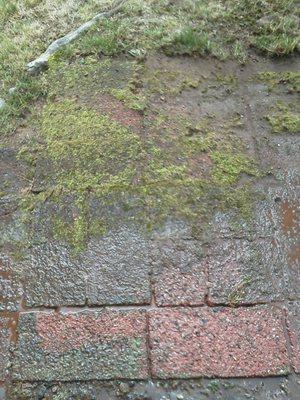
x=288 y=237
x=5 y=335
x=258 y=257
x=10 y=285
x=221 y=342
x=53 y=276
x=12 y=172
x=81 y=346
x=119 y=267
x=293 y=323
x=245 y=272
x=179 y=272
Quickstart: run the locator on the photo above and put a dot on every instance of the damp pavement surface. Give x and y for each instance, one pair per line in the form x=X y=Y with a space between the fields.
x=198 y=306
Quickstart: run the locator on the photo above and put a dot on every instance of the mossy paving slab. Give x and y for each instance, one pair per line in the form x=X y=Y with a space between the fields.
x=148 y=183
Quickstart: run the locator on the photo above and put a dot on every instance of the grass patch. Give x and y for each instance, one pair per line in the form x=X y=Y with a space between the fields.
x=223 y=29
x=276 y=44
x=189 y=42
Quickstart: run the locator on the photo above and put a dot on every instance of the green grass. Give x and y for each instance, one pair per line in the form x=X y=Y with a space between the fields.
x=276 y=44
x=27 y=27
x=222 y=29
x=189 y=42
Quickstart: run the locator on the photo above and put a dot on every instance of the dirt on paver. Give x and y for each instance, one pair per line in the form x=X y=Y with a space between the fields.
x=149 y=216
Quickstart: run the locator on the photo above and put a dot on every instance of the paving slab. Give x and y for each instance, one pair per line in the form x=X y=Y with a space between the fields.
x=223 y=342
x=179 y=272
x=10 y=284
x=288 y=237
x=87 y=345
x=5 y=335
x=53 y=276
x=293 y=324
x=119 y=267
x=246 y=272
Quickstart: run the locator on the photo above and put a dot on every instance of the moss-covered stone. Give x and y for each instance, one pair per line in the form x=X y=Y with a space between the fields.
x=80 y=156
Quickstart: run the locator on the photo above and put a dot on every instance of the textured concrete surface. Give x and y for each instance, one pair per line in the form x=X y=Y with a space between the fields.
x=54 y=277
x=5 y=344
x=279 y=388
x=245 y=271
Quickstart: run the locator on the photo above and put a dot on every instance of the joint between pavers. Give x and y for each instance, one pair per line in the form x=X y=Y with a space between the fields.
x=147 y=307
x=148 y=345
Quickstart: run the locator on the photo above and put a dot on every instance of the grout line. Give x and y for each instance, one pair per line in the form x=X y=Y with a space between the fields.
x=148 y=345
x=142 y=306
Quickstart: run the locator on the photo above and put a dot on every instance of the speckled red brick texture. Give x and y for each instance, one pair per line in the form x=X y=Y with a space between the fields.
x=293 y=324
x=221 y=342
x=102 y=344
x=64 y=332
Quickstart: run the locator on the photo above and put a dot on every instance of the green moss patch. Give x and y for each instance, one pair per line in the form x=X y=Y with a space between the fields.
x=284 y=122
x=89 y=156
x=290 y=79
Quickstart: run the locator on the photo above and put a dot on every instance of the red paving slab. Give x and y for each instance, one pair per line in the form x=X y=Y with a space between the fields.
x=293 y=324
x=223 y=342
x=104 y=344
